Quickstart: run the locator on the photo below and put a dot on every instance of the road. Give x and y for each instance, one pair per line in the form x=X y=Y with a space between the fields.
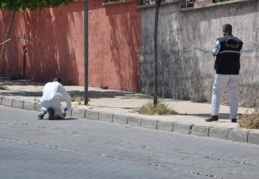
x=87 y=149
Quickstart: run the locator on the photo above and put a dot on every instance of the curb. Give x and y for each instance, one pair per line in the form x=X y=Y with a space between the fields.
x=233 y=134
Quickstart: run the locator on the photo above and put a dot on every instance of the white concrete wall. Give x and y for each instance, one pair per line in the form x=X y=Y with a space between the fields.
x=185 y=41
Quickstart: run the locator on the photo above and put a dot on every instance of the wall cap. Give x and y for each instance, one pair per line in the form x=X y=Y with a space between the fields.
x=117 y=2
x=215 y=5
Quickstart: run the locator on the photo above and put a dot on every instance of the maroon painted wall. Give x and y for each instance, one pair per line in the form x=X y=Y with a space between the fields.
x=54 y=39
x=54 y=44
x=114 y=52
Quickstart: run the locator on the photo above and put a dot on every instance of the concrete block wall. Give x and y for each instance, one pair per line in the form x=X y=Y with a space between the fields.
x=185 y=40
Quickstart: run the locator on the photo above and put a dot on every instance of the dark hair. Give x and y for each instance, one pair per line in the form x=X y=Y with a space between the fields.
x=58 y=80
x=227 y=29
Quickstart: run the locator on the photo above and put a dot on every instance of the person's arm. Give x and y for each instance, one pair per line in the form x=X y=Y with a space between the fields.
x=216 y=49
x=65 y=95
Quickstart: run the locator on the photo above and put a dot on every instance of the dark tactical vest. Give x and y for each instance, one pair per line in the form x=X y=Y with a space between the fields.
x=228 y=58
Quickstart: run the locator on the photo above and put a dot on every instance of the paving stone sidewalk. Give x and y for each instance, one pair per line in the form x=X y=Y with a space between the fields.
x=120 y=107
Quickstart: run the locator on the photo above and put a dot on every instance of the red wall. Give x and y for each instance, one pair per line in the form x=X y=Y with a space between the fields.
x=114 y=52
x=55 y=42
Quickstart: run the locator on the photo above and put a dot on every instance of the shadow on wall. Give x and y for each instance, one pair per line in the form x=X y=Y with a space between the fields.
x=51 y=42
x=180 y=71
x=7 y=68
x=124 y=20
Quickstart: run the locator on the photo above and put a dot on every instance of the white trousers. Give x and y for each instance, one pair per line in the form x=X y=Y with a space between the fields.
x=54 y=104
x=221 y=82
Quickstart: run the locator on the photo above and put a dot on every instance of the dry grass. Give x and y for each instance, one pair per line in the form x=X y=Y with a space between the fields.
x=3 y=87
x=250 y=121
x=160 y=108
x=77 y=99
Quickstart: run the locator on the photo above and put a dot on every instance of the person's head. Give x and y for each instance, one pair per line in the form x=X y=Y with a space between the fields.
x=227 y=29
x=58 y=80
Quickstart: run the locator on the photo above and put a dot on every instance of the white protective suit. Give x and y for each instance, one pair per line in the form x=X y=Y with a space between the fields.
x=53 y=92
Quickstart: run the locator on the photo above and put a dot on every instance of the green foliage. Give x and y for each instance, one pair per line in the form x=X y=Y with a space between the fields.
x=16 y=5
x=152 y=109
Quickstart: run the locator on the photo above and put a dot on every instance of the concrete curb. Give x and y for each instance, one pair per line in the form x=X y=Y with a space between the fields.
x=164 y=125
x=1 y=100
x=105 y=117
x=134 y=121
x=233 y=134
x=219 y=132
x=253 y=137
x=121 y=119
x=200 y=130
x=150 y=124
x=182 y=128
x=78 y=112
x=18 y=104
x=29 y=105
x=7 y=102
x=239 y=135
x=91 y=114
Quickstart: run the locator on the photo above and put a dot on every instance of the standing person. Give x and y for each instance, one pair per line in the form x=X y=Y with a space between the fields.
x=53 y=92
x=227 y=65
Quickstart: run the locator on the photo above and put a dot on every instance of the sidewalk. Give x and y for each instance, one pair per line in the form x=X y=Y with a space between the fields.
x=120 y=107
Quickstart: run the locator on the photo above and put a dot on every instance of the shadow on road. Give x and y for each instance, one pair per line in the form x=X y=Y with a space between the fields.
x=66 y=119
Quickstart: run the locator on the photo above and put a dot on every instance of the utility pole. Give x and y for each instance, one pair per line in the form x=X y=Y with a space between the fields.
x=86 y=59
x=158 y=3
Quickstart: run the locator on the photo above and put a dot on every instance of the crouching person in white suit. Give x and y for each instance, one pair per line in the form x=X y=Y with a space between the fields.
x=53 y=93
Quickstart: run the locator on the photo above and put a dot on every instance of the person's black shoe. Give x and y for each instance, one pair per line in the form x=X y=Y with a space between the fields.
x=51 y=113
x=212 y=118
x=64 y=115
x=40 y=116
x=233 y=120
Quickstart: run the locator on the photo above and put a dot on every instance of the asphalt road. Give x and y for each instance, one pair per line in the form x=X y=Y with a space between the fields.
x=80 y=148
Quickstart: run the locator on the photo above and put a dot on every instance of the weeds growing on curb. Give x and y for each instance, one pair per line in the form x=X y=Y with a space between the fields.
x=3 y=87
x=250 y=121
x=160 y=108
x=77 y=99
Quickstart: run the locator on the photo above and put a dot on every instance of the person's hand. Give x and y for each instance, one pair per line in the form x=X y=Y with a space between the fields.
x=214 y=54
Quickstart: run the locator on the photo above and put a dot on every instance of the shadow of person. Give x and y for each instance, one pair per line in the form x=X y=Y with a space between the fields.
x=206 y=115
x=65 y=119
